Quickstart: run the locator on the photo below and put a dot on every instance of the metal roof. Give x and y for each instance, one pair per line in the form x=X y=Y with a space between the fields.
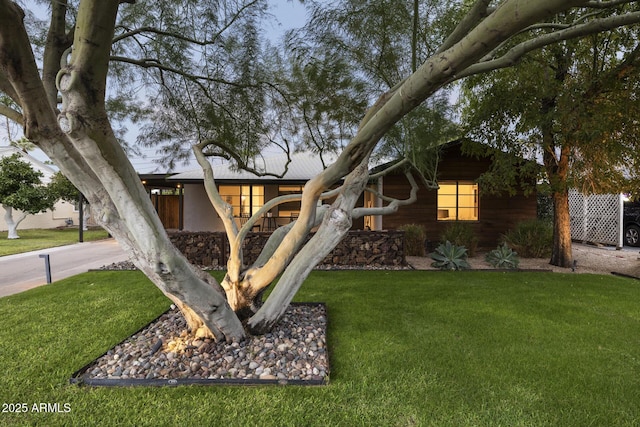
x=303 y=166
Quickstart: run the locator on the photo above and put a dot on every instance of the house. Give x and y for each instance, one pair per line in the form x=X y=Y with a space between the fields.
x=459 y=197
x=63 y=213
x=244 y=191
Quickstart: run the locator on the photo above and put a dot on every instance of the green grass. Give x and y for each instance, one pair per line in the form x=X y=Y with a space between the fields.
x=34 y=239
x=407 y=349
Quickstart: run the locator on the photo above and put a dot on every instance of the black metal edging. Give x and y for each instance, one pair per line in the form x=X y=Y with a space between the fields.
x=174 y=382
x=79 y=377
x=628 y=276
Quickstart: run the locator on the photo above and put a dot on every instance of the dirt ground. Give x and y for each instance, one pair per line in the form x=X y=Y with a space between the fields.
x=589 y=259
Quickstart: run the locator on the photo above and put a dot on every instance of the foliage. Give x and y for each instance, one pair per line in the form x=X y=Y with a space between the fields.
x=21 y=187
x=401 y=37
x=532 y=238
x=503 y=257
x=414 y=239
x=63 y=189
x=562 y=105
x=448 y=256
x=544 y=206
x=502 y=350
x=461 y=234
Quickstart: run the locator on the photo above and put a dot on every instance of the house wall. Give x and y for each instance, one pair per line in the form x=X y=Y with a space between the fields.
x=497 y=214
x=199 y=215
x=48 y=219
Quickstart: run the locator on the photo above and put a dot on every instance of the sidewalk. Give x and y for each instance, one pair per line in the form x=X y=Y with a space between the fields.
x=27 y=270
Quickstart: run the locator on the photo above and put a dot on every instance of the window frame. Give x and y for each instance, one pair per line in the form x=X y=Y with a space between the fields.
x=475 y=207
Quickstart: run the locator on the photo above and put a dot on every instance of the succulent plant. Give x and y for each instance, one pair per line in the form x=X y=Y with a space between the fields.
x=503 y=257
x=448 y=256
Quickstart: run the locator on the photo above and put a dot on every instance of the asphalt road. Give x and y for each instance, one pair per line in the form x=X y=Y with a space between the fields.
x=25 y=271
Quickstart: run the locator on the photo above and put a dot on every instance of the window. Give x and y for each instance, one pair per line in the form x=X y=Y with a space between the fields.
x=289 y=209
x=245 y=199
x=458 y=201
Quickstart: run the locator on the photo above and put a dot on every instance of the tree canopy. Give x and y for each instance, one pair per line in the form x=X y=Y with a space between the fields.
x=569 y=114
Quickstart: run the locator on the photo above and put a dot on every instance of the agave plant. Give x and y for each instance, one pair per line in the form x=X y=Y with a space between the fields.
x=448 y=256
x=503 y=257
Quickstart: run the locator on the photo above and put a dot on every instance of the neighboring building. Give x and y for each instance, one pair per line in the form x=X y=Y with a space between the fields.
x=459 y=198
x=63 y=213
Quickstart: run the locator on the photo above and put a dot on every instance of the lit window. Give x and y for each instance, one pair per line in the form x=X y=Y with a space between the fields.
x=458 y=201
x=245 y=199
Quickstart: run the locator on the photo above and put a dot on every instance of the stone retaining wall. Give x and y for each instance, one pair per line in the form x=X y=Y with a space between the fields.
x=358 y=248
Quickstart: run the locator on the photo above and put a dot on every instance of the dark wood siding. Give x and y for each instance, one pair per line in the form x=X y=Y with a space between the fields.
x=497 y=214
x=168 y=208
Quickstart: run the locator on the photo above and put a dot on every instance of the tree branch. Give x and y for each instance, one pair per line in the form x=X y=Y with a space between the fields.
x=212 y=40
x=476 y=14
x=11 y=114
x=155 y=63
x=394 y=204
x=517 y=52
x=606 y=4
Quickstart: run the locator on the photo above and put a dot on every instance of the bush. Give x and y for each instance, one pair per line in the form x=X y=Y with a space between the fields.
x=461 y=234
x=414 y=238
x=531 y=239
x=503 y=257
x=450 y=257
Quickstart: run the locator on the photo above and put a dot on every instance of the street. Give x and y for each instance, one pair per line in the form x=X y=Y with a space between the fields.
x=25 y=271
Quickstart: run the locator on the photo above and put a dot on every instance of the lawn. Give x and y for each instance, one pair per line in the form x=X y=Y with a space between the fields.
x=407 y=348
x=34 y=239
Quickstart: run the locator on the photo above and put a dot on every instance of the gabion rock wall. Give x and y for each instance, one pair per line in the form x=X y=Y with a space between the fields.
x=357 y=249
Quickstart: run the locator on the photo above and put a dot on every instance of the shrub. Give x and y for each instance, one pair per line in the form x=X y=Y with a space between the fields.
x=461 y=234
x=503 y=257
x=448 y=256
x=531 y=239
x=414 y=238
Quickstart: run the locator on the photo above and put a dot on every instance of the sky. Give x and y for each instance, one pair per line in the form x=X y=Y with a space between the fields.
x=288 y=13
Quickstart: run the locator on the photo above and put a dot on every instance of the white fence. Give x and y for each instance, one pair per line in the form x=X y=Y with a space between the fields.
x=596 y=218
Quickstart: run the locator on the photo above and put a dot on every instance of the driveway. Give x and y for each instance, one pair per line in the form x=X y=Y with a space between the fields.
x=27 y=270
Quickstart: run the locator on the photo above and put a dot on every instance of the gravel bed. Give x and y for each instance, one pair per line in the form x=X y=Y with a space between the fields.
x=295 y=350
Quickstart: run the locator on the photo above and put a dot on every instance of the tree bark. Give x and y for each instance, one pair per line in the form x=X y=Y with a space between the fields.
x=81 y=142
x=561 y=255
x=12 y=224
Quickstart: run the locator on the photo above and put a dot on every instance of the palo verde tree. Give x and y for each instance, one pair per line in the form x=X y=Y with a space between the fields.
x=383 y=42
x=576 y=110
x=78 y=136
x=21 y=189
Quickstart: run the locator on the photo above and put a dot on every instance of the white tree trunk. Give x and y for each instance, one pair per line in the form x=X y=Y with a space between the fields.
x=86 y=214
x=12 y=224
x=81 y=142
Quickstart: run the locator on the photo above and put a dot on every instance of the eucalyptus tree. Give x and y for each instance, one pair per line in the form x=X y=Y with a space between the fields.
x=78 y=137
x=576 y=110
